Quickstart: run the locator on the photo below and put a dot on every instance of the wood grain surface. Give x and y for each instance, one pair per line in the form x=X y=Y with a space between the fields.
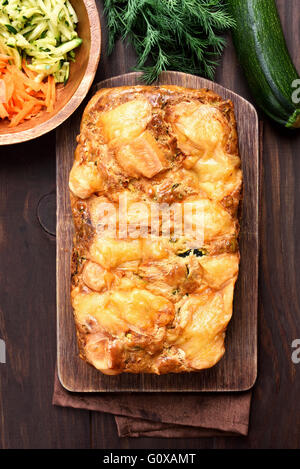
x=27 y=293
x=238 y=369
x=69 y=97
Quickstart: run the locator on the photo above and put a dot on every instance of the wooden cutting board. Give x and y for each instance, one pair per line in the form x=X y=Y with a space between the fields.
x=237 y=370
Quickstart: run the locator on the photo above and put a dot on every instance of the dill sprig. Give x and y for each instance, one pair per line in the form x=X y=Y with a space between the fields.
x=183 y=35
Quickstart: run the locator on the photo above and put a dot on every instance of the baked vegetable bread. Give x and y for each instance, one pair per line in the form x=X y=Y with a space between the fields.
x=152 y=287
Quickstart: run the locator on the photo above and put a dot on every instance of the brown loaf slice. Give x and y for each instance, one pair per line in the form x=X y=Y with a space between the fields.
x=158 y=301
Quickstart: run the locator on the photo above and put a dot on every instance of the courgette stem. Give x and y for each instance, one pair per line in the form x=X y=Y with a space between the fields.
x=294 y=121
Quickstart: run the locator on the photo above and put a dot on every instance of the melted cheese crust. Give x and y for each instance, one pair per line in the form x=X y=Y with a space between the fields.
x=160 y=303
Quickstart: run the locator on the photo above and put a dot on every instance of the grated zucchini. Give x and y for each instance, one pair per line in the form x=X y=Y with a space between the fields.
x=44 y=31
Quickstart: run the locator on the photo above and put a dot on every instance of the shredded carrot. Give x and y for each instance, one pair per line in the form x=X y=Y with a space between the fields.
x=27 y=108
x=3 y=112
x=48 y=93
x=51 y=95
x=22 y=96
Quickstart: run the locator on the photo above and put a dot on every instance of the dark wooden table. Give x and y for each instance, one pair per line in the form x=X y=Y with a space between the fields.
x=27 y=290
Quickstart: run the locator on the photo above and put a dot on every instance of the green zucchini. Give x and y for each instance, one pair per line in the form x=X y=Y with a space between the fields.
x=263 y=54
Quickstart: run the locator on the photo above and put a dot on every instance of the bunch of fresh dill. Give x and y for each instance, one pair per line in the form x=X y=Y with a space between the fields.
x=183 y=35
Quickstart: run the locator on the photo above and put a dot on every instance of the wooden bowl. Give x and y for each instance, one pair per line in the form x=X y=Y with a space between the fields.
x=69 y=97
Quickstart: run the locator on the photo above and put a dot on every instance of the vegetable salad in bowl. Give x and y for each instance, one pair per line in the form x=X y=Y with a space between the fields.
x=38 y=39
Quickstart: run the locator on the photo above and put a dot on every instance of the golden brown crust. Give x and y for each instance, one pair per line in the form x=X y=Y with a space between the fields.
x=160 y=304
